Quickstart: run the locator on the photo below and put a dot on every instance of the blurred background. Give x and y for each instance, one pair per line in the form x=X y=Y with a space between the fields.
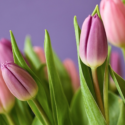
x=32 y=17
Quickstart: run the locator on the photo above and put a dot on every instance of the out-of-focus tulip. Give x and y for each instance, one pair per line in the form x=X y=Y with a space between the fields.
x=6 y=98
x=72 y=72
x=5 y=51
x=115 y=62
x=19 y=82
x=93 y=42
x=41 y=55
x=113 y=16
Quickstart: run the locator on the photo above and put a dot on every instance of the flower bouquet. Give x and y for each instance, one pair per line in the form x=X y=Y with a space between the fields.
x=36 y=88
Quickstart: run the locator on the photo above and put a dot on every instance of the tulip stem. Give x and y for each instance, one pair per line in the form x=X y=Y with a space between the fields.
x=40 y=110
x=10 y=119
x=97 y=90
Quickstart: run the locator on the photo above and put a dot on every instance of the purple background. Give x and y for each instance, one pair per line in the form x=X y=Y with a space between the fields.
x=33 y=16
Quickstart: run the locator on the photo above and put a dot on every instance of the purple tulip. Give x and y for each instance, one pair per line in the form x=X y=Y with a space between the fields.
x=19 y=82
x=5 y=51
x=93 y=42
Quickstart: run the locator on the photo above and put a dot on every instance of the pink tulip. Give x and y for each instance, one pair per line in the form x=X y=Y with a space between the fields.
x=19 y=82
x=6 y=98
x=72 y=72
x=113 y=16
x=116 y=63
x=5 y=51
x=41 y=55
x=93 y=46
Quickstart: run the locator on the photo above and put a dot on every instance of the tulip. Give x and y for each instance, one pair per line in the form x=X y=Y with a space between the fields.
x=7 y=100
x=19 y=82
x=41 y=55
x=5 y=51
x=93 y=42
x=113 y=16
x=72 y=72
x=115 y=62
x=93 y=49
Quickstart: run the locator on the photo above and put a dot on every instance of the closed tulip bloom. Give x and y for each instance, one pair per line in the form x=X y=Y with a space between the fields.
x=5 y=51
x=72 y=72
x=40 y=53
x=7 y=100
x=93 y=42
x=115 y=61
x=19 y=82
x=113 y=16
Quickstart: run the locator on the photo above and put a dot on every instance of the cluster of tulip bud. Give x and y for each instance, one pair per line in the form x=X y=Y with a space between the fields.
x=14 y=81
x=96 y=31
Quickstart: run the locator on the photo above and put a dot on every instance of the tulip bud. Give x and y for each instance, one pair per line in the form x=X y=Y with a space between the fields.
x=72 y=72
x=40 y=53
x=115 y=62
x=19 y=82
x=93 y=42
x=113 y=16
x=5 y=51
x=6 y=98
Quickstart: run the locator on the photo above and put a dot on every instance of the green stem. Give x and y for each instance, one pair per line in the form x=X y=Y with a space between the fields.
x=10 y=119
x=106 y=108
x=39 y=110
x=97 y=90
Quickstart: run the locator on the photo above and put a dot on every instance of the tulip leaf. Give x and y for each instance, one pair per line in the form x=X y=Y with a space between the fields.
x=93 y=112
x=106 y=84
x=36 y=121
x=121 y=120
x=64 y=77
x=60 y=107
x=31 y=55
x=42 y=92
x=21 y=109
x=119 y=82
x=3 y=120
x=78 y=113
x=115 y=103
x=96 y=10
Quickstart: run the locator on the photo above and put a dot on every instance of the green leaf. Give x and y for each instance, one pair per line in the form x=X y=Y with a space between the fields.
x=119 y=82
x=59 y=103
x=106 y=84
x=96 y=10
x=36 y=121
x=114 y=108
x=78 y=113
x=64 y=77
x=3 y=120
x=23 y=112
x=94 y=114
x=121 y=120
x=42 y=92
x=35 y=63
